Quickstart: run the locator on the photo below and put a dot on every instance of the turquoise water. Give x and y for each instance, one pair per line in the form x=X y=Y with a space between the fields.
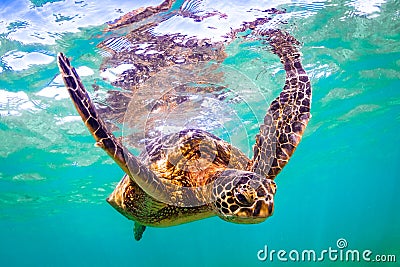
x=342 y=182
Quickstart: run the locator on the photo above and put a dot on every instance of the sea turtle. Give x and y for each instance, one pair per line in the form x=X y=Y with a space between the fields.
x=193 y=174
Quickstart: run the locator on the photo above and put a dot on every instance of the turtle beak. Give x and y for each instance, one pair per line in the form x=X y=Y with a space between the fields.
x=258 y=213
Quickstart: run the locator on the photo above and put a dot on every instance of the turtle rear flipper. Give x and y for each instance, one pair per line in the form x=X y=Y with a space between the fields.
x=138 y=231
x=288 y=114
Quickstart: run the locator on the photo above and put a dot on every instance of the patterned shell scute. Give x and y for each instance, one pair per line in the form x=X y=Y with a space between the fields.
x=191 y=157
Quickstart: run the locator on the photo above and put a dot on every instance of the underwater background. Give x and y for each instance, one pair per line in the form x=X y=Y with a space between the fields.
x=342 y=183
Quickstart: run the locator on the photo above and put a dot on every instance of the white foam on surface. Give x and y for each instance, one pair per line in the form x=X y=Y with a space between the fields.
x=59 y=17
x=67 y=119
x=17 y=60
x=229 y=16
x=112 y=74
x=13 y=103
x=369 y=8
x=53 y=91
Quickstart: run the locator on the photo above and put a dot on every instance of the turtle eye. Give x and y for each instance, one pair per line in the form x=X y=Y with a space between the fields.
x=244 y=199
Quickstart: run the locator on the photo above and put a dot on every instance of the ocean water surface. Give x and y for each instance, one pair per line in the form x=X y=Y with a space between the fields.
x=340 y=190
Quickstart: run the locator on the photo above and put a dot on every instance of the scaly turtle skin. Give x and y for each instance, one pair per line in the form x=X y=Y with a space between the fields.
x=192 y=174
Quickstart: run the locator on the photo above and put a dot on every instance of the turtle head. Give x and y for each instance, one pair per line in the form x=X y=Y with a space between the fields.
x=243 y=197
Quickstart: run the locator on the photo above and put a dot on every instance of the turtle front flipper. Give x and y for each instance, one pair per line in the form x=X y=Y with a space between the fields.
x=161 y=190
x=137 y=171
x=288 y=114
x=88 y=113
